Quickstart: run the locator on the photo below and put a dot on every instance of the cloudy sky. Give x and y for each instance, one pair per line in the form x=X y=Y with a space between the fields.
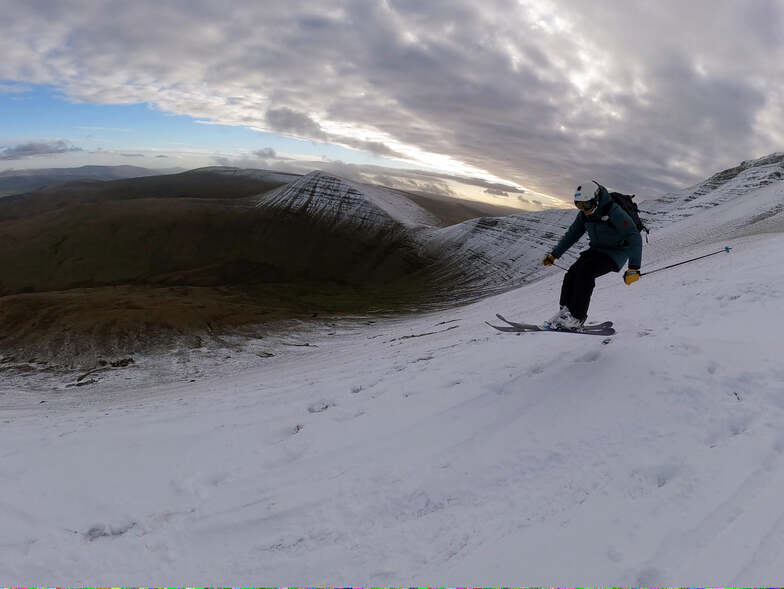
x=524 y=98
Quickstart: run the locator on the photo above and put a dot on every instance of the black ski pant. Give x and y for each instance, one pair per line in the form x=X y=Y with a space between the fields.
x=581 y=278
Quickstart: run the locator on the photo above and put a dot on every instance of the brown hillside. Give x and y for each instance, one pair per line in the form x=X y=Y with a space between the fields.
x=91 y=268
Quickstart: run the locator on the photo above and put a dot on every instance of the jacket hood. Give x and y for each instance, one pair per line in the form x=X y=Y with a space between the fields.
x=604 y=197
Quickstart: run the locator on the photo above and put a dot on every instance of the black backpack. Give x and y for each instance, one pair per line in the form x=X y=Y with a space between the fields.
x=630 y=208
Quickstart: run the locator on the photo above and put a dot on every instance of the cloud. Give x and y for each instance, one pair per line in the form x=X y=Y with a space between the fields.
x=161 y=156
x=414 y=176
x=429 y=185
x=36 y=148
x=374 y=147
x=265 y=153
x=649 y=97
x=263 y=157
x=286 y=120
x=132 y=154
x=247 y=161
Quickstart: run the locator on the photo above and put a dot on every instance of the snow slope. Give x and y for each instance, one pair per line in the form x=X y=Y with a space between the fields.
x=433 y=450
x=724 y=186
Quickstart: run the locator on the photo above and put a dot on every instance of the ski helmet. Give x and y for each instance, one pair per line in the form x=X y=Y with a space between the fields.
x=586 y=197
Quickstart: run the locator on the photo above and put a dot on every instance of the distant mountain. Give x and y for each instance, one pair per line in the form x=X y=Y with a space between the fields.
x=19 y=181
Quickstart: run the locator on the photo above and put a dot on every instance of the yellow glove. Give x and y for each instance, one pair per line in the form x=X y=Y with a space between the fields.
x=549 y=260
x=631 y=276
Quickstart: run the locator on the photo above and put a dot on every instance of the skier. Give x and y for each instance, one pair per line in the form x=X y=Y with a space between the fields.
x=614 y=240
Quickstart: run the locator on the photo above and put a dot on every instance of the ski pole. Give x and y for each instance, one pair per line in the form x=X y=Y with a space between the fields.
x=726 y=249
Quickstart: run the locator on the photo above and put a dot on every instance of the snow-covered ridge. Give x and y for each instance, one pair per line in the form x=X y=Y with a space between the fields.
x=748 y=175
x=720 y=188
x=744 y=200
x=339 y=202
x=488 y=254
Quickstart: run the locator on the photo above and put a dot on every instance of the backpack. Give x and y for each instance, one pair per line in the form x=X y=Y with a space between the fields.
x=630 y=208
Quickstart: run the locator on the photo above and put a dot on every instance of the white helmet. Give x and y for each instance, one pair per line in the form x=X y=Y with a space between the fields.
x=586 y=191
x=586 y=196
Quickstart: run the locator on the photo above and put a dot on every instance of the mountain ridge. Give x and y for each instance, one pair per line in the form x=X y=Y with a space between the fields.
x=17 y=181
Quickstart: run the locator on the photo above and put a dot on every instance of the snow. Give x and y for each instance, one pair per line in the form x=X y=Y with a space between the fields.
x=432 y=450
x=489 y=254
x=332 y=199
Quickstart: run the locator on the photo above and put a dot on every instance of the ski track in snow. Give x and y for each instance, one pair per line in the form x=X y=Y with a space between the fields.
x=465 y=456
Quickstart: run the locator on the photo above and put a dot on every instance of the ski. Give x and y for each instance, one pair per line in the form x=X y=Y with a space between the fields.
x=602 y=329
x=523 y=326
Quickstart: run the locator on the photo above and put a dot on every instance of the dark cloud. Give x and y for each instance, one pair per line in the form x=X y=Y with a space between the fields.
x=36 y=148
x=132 y=155
x=286 y=120
x=646 y=96
x=374 y=147
x=162 y=156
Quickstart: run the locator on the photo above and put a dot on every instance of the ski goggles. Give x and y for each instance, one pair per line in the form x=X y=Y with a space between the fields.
x=587 y=205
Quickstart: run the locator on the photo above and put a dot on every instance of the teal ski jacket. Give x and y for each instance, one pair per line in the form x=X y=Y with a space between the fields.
x=610 y=231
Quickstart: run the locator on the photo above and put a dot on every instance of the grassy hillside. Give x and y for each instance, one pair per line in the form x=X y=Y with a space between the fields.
x=90 y=267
